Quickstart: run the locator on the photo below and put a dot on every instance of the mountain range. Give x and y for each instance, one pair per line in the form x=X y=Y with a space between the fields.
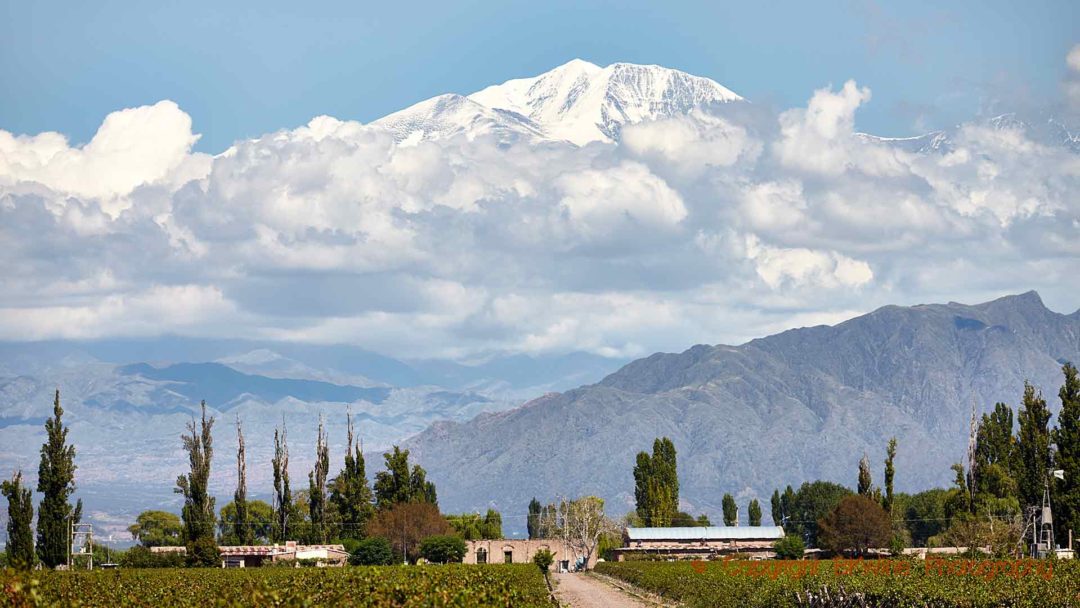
x=801 y=405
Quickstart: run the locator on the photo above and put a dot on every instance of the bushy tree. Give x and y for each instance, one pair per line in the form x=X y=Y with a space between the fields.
x=731 y=510
x=157 y=529
x=406 y=524
x=1032 y=447
x=351 y=495
x=656 y=484
x=20 y=537
x=856 y=524
x=372 y=551
x=543 y=560
x=754 y=513
x=789 y=547
x=925 y=515
x=198 y=511
x=813 y=501
x=56 y=483
x=995 y=455
x=397 y=485
x=1067 y=440
x=443 y=549
x=260 y=523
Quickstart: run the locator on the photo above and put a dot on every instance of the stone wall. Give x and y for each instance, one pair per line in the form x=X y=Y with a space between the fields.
x=520 y=551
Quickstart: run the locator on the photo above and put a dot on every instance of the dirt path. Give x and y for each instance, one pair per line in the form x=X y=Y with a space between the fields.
x=585 y=591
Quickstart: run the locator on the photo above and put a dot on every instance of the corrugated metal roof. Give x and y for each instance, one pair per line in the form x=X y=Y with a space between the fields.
x=706 y=533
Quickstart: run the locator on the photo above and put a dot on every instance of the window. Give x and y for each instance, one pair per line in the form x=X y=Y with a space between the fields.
x=481 y=556
x=508 y=556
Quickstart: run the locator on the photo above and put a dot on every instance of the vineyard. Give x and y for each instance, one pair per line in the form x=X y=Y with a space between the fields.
x=419 y=586
x=885 y=583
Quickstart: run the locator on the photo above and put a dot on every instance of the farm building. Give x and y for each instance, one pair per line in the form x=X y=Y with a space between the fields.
x=518 y=551
x=247 y=556
x=700 y=542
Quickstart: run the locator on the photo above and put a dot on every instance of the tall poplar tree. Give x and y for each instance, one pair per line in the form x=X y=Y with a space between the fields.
x=56 y=482
x=656 y=484
x=20 y=537
x=865 y=481
x=1032 y=447
x=283 y=501
x=731 y=510
x=396 y=485
x=776 y=508
x=754 y=513
x=533 y=520
x=242 y=528
x=198 y=511
x=1067 y=440
x=890 y=472
x=317 y=485
x=351 y=494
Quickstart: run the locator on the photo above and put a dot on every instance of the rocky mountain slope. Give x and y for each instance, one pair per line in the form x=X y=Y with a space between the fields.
x=800 y=405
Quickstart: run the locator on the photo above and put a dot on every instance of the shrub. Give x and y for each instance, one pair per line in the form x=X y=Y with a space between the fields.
x=372 y=551
x=789 y=547
x=141 y=557
x=442 y=549
x=204 y=552
x=543 y=560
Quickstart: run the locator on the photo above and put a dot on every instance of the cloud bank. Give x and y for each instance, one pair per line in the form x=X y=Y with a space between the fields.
x=711 y=227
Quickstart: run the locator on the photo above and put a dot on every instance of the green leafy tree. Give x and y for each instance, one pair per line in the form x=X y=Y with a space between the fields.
x=890 y=473
x=1067 y=440
x=260 y=523
x=351 y=495
x=396 y=485
x=492 y=528
x=56 y=483
x=789 y=547
x=787 y=503
x=372 y=551
x=776 y=509
x=925 y=515
x=866 y=483
x=443 y=549
x=198 y=511
x=995 y=455
x=813 y=501
x=283 y=498
x=731 y=510
x=157 y=529
x=533 y=520
x=754 y=512
x=20 y=537
x=543 y=560
x=656 y=484
x=317 y=486
x=1032 y=447
x=857 y=524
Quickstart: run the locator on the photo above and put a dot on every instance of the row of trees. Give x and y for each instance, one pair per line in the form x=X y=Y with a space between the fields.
x=56 y=483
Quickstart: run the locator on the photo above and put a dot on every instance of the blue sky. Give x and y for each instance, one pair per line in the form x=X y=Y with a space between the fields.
x=243 y=69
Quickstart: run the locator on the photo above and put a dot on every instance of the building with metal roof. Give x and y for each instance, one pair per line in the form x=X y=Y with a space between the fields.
x=699 y=542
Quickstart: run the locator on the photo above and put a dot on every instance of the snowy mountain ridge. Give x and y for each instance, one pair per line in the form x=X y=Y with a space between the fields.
x=578 y=102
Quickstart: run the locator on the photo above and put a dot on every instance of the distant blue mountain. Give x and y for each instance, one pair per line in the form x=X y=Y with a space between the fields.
x=219 y=385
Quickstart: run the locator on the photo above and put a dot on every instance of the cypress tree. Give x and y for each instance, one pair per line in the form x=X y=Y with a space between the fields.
x=754 y=512
x=1067 y=440
x=731 y=510
x=198 y=511
x=244 y=532
x=865 y=481
x=351 y=494
x=1032 y=447
x=283 y=502
x=20 y=538
x=533 y=521
x=776 y=508
x=890 y=472
x=56 y=482
x=317 y=485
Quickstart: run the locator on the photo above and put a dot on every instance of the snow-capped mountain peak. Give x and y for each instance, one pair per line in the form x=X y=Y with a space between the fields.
x=581 y=102
x=451 y=115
